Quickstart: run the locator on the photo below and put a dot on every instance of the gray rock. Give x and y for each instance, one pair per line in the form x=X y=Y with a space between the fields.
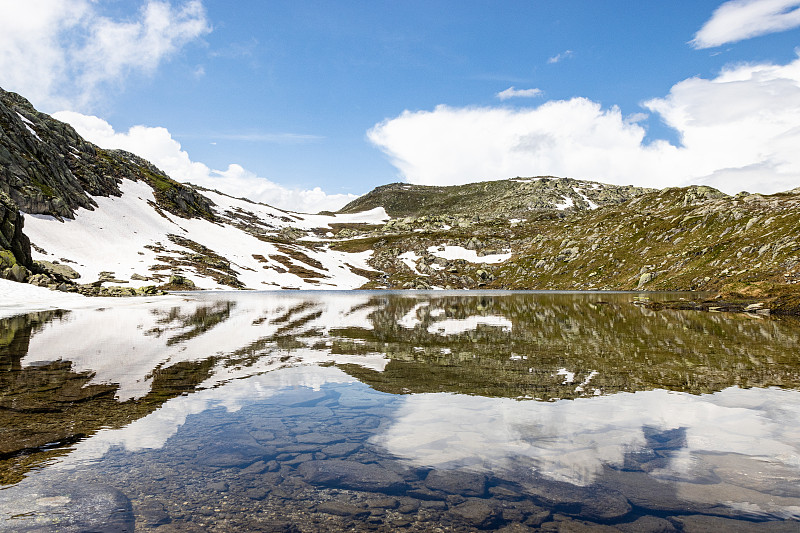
x=341 y=449
x=320 y=438
x=476 y=512
x=233 y=455
x=647 y=524
x=57 y=269
x=457 y=482
x=152 y=513
x=351 y=475
x=341 y=509
x=645 y=278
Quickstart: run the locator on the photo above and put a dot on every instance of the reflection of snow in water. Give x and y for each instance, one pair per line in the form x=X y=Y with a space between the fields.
x=572 y=441
x=454 y=326
x=146 y=330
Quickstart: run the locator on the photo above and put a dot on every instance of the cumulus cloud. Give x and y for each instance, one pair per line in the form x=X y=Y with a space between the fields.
x=738 y=131
x=61 y=53
x=558 y=57
x=511 y=92
x=157 y=145
x=737 y=20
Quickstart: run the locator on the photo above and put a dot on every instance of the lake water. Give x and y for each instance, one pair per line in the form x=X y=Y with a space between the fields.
x=443 y=411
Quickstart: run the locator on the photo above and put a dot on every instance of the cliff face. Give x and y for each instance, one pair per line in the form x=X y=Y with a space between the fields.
x=15 y=248
x=47 y=168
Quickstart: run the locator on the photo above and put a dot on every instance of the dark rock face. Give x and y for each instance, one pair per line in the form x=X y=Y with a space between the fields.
x=47 y=168
x=15 y=248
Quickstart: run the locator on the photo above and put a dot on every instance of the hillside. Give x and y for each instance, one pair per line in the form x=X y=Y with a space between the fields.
x=95 y=218
x=512 y=197
x=107 y=222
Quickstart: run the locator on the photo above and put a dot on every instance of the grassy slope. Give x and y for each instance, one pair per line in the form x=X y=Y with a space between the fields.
x=676 y=239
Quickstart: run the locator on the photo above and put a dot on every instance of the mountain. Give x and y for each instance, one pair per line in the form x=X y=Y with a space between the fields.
x=108 y=217
x=513 y=197
x=80 y=218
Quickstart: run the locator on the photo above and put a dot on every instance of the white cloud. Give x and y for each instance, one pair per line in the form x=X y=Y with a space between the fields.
x=157 y=145
x=511 y=92
x=739 y=131
x=742 y=19
x=558 y=57
x=61 y=53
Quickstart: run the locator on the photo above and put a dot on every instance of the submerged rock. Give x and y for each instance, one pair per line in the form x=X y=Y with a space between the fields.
x=352 y=475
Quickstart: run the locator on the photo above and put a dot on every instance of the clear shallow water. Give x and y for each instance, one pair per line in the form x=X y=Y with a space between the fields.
x=331 y=411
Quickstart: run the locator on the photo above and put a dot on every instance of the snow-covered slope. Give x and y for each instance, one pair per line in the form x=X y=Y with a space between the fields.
x=135 y=244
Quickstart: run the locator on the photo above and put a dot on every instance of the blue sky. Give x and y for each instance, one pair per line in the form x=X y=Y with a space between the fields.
x=346 y=96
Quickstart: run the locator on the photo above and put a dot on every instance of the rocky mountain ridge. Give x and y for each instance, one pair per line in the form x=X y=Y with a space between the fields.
x=512 y=197
x=105 y=218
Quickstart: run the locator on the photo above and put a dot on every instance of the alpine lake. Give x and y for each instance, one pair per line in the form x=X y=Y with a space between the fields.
x=399 y=411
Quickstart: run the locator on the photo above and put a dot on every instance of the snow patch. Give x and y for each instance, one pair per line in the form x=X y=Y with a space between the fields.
x=410 y=259
x=459 y=252
x=586 y=199
x=568 y=202
x=28 y=124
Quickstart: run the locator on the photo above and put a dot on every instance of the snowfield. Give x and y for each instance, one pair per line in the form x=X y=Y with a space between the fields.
x=126 y=236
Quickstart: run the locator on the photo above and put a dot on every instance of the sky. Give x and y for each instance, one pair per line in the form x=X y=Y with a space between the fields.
x=306 y=104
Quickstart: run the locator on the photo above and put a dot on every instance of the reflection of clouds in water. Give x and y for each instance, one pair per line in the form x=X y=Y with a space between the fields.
x=155 y=429
x=572 y=440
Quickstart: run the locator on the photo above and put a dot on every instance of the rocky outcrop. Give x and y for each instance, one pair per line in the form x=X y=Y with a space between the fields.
x=47 y=168
x=15 y=248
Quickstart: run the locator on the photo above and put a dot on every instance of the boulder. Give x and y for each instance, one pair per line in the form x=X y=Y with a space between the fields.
x=352 y=475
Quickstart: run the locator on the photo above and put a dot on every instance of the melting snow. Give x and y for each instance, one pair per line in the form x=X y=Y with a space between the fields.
x=410 y=260
x=459 y=252
x=569 y=377
x=568 y=202
x=586 y=199
x=123 y=233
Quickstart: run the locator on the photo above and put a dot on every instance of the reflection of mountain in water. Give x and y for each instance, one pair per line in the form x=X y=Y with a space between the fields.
x=549 y=346
x=65 y=375
x=46 y=407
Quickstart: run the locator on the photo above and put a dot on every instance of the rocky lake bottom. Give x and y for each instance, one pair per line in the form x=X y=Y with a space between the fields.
x=372 y=411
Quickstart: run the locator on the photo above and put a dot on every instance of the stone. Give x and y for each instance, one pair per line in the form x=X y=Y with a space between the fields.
x=256 y=493
x=351 y=475
x=383 y=503
x=648 y=524
x=18 y=273
x=57 y=270
x=341 y=449
x=232 y=455
x=456 y=482
x=645 y=278
x=476 y=512
x=320 y=438
x=341 y=509
x=152 y=513
x=217 y=486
